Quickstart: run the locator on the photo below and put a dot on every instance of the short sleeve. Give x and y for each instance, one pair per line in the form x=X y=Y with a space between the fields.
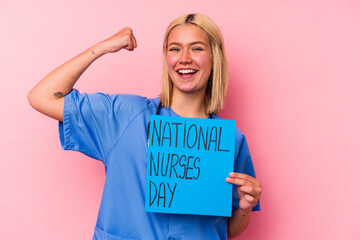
x=93 y=122
x=243 y=164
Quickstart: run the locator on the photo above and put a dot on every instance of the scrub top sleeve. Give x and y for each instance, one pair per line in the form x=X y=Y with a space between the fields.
x=92 y=122
x=243 y=164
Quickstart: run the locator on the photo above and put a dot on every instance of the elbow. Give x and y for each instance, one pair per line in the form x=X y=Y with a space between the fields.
x=33 y=99
x=36 y=100
x=30 y=97
x=47 y=106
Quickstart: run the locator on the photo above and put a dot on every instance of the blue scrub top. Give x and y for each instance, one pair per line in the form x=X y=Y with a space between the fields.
x=113 y=129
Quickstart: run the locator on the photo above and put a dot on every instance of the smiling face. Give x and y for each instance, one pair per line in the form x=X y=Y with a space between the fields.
x=189 y=59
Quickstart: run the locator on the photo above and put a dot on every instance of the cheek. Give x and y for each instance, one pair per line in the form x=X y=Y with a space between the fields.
x=204 y=61
x=170 y=60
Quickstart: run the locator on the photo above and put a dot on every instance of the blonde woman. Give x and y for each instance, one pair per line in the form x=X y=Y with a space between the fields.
x=113 y=129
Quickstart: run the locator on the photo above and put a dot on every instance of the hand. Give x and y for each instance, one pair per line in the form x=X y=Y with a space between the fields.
x=248 y=190
x=124 y=39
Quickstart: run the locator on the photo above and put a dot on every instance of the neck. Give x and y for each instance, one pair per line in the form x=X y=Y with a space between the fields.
x=188 y=105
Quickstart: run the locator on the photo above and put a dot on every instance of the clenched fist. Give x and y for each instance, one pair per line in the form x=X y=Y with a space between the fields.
x=124 y=39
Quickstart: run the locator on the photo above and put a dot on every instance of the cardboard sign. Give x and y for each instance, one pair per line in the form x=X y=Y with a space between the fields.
x=188 y=161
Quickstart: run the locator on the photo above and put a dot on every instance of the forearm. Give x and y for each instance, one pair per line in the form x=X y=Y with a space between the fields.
x=48 y=95
x=63 y=78
x=238 y=222
x=60 y=81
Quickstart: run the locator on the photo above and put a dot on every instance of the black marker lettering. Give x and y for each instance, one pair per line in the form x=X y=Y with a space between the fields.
x=151 y=201
x=167 y=165
x=163 y=135
x=158 y=133
x=172 y=193
x=221 y=150
x=196 y=167
x=201 y=133
x=187 y=168
x=213 y=140
x=184 y=134
x=162 y=186
x=177 y=135
x=187 y=138
x=173 y=164
x=182 y=165
x=153 y=164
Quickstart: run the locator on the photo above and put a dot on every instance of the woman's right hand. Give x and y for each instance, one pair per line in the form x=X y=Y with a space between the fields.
x=124 y=39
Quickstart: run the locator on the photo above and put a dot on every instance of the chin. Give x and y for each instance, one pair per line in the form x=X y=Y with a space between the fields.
x=189 y=89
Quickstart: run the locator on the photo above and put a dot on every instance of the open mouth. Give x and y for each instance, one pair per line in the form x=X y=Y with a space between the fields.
x=185 y=73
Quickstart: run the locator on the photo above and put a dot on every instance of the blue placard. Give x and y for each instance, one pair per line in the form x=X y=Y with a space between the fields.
x=188 y=161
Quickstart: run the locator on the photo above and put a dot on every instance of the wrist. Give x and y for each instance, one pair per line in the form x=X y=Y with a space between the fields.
x=244 y=212
x=98 y=50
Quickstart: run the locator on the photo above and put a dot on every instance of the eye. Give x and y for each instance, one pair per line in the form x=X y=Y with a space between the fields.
x=174 y=49
x=198 y=49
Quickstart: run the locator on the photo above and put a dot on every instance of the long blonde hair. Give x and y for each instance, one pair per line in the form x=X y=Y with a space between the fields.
x=216 y=89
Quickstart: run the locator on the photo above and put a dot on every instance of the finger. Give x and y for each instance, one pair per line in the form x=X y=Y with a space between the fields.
x=242 y=176
x=245 y=205
x=127 y=29
x=253 y=201
x=253 y=191
x=248 y=198
x=135 y=43
x=130 y=45
x=246 y=177
x=239 y=182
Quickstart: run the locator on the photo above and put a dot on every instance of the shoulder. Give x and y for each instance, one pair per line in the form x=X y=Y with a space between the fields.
x=131 y=100
x=134 y=103
x=114 y=102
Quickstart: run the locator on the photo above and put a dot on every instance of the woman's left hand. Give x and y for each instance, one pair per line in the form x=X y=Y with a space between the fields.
x=248 y=190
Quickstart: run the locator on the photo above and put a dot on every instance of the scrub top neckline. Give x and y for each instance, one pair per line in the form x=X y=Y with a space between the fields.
x=177 y=115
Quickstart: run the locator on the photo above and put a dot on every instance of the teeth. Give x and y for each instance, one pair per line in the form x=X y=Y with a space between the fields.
x=185 y=71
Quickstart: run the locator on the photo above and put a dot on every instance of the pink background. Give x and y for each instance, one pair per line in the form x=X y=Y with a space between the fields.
x=294 y=92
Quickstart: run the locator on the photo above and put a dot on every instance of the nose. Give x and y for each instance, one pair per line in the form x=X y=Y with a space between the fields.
x=185 y=57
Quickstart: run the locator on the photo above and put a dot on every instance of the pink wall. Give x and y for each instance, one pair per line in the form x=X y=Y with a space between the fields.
x=294 y=91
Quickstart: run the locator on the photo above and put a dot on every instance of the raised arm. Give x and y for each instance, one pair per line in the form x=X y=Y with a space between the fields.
x=47 y=96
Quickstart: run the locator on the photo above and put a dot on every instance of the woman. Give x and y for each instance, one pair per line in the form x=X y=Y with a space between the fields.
x=113 y=129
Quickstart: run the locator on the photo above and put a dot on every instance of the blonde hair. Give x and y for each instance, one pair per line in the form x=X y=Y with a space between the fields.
x=216 y=89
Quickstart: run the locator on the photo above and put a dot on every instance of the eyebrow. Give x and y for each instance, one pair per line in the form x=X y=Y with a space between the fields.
x=192 y=43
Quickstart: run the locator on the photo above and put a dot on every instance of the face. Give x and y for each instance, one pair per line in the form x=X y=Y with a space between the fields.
x=189 y=59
